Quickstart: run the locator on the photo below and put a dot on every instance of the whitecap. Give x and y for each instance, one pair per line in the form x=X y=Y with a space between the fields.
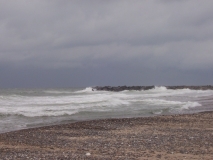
x=188 y=105
x=86 y=90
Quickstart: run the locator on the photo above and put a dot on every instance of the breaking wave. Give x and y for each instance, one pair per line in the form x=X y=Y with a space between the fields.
x=21 y=107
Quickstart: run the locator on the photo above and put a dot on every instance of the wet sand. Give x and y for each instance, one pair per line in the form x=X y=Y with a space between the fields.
x=163 y=137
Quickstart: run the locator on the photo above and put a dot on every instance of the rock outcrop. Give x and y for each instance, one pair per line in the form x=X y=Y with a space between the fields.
x=138 y=88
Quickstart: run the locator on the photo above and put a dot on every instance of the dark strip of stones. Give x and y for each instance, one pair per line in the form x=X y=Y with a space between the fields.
x=138 y=88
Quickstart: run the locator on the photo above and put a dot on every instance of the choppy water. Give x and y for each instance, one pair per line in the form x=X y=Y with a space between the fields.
x=26 y=108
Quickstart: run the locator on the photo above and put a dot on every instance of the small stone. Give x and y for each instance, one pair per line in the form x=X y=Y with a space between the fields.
x=88 y=154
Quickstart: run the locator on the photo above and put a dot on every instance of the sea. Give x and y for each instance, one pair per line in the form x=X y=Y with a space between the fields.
x=29 y=108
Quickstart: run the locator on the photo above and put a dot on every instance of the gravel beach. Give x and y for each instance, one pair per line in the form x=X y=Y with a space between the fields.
x=161 y=137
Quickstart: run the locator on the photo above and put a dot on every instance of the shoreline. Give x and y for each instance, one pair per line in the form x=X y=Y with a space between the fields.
x=183 y=136
x=104 y=118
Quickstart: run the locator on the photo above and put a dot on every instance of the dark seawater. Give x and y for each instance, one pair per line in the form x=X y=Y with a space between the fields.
x=26 y=108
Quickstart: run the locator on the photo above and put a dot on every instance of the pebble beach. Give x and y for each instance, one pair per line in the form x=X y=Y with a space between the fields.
x=188 y=136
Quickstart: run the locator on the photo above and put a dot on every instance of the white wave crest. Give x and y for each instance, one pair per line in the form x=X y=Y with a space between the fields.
x=86 y=90
x=190 y=105
x=160 y=88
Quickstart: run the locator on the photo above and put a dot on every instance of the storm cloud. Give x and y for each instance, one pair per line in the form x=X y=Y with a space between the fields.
x=80 y=43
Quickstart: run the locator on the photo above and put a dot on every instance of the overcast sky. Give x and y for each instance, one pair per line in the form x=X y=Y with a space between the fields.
x=74 y=43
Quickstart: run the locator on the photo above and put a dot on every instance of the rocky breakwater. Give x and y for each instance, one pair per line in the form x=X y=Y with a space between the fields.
x=207 y=87
x=138 y=88
x=122 y=88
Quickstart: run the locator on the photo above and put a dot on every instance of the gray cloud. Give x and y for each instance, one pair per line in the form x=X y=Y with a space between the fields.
x=93 y=35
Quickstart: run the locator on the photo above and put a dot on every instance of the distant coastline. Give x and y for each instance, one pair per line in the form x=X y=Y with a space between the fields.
x=122 y=88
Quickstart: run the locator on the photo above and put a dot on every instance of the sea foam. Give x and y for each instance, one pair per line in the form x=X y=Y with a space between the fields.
x=40 y=106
